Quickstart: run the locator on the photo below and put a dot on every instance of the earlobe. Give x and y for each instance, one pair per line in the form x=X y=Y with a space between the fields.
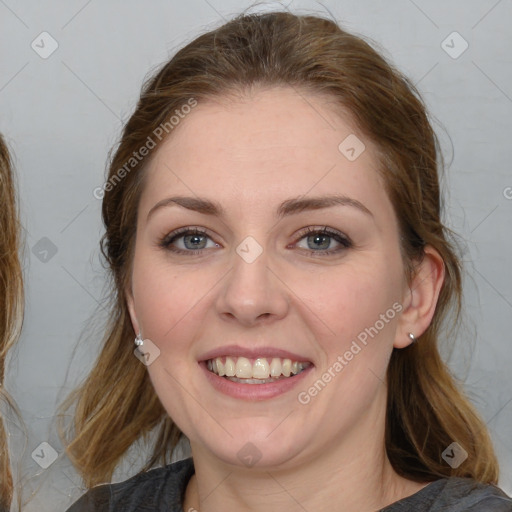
x=420 y=298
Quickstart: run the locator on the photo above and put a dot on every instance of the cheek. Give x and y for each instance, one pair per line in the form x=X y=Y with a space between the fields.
x=354 y=303
x=342 y=300
x=168 y=300
x=160 y=297
x=350 y=297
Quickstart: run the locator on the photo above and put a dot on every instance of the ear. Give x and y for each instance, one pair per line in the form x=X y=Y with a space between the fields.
x=419 y=298
x=130 y=302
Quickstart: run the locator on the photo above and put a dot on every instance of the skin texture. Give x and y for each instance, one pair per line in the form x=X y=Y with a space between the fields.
x=250 y=154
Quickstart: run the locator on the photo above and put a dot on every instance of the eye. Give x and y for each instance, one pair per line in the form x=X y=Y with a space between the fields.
x=188 y=241
x=194 y=241
x=323 y=241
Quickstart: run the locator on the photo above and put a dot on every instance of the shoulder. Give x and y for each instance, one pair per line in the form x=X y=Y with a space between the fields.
x=465 y=494
x=158 y=489
x=455 y=494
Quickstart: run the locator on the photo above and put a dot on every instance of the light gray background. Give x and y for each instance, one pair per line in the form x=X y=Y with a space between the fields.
x=62 y=114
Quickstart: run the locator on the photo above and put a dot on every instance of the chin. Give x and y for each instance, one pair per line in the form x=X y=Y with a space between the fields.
x=259 y=443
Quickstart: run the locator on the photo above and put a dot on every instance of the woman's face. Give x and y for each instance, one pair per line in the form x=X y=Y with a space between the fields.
x=277 y=274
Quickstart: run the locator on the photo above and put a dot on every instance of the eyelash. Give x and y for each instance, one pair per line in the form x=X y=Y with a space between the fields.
x=346 y=243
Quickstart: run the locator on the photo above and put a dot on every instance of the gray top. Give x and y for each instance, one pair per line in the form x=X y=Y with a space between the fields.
x=162 y=490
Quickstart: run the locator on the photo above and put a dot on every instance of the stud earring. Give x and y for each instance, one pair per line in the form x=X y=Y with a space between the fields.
x=412 y=337
x=138 y=340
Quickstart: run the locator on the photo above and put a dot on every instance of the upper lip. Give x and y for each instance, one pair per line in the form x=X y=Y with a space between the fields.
x=252 y=353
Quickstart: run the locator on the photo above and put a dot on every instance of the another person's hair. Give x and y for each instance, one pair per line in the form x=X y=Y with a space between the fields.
x=11 y=303
x=427 y=409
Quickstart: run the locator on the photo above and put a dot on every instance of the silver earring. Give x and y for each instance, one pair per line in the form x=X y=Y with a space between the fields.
x=138 y=340
x=412 y=337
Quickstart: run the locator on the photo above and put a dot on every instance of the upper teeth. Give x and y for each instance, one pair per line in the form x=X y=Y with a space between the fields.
x=242 y=367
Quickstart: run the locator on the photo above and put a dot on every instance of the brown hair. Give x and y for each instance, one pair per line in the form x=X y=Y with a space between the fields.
x=427 y=410
x=11 y=303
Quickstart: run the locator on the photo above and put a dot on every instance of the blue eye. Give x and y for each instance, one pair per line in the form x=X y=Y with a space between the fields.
x=187 y=241
x=321 y=241
x=193 y=241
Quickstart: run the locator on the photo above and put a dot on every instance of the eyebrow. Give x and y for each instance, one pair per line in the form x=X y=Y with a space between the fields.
x=288 y=207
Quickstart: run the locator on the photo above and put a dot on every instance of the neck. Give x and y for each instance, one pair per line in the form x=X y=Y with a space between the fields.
x=353 y=474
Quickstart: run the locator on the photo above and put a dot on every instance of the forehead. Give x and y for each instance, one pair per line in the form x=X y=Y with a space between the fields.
x=263 y=146
x=263 y=119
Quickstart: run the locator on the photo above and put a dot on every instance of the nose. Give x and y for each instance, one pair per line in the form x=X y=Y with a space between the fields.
x=252 y=293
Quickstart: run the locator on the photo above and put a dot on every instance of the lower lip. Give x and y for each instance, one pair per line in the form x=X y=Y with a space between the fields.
x=254 y=391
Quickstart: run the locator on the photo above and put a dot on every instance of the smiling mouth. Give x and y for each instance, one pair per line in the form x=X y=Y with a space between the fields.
x=261 y=370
